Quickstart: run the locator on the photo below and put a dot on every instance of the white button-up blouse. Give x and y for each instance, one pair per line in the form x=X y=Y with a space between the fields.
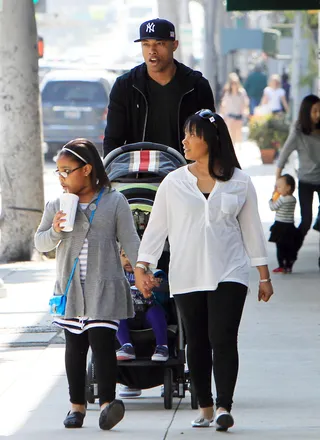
x=210 y=239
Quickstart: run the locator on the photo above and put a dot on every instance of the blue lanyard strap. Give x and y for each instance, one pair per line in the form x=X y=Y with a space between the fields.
x=77 y=259
x=71 y=275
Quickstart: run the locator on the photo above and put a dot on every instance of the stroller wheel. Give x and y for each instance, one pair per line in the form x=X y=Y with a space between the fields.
x=167 y=383
x=89 y=383
x=194 y=399
x=89 y=392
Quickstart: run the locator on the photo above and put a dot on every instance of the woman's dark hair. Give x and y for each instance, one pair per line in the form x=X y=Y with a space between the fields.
x=304 y=122
x=289 y=181
x=87 y=150
x=220 y=146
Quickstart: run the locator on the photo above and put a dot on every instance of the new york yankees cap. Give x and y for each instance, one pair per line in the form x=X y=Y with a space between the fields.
x=157 y=29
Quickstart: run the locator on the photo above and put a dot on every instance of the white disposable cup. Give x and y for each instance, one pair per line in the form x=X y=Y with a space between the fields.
x=68 y=204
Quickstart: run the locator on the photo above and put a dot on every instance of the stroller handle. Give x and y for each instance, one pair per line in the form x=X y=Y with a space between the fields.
x=140 y=146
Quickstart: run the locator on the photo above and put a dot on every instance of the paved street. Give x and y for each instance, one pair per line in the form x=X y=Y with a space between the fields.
x=278 y=391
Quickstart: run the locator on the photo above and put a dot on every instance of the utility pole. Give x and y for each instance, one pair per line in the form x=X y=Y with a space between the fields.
x=169 y=10
x=318 y=54
x=296 y=64
x=185 y=33
x=21 y=159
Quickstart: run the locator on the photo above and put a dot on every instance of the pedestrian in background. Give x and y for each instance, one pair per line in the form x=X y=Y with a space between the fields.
x=208 y=210
x=153 y=100
x=234 y=107
x=274 y=96
x=305 y=139
x=286 y=85
x=254 y=85
x=283 y=231
x=99 y=294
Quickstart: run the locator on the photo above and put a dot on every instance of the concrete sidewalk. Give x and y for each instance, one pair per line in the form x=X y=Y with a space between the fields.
x=278 y=391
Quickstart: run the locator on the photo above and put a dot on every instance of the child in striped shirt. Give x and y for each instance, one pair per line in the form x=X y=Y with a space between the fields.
x=283 y=232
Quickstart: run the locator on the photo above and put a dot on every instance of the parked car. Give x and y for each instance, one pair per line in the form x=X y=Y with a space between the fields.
x=74 y=104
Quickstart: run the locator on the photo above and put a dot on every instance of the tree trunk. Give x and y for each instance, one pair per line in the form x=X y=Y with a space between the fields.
x=21 y=159
x=210 y=53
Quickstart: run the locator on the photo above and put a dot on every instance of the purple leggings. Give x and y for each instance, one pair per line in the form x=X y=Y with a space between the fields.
x=154 y=317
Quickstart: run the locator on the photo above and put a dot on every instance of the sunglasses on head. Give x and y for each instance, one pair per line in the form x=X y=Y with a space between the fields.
x=209 y=115
x=205 y=113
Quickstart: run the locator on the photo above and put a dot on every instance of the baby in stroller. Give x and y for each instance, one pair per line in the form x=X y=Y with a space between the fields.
x=149 y=312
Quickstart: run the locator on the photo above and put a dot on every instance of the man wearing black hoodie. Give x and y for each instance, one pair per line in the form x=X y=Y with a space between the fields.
x=153 y=100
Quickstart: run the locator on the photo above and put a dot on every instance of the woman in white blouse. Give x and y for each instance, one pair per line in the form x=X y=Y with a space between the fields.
x=208 y=210
x=274 y=96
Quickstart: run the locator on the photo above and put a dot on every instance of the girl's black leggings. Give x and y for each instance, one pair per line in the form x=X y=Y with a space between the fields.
x=102 y=343
x=211 y=321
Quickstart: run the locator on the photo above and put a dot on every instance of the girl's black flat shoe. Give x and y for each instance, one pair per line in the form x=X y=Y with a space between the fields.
x=74 y=419
x=111 y=414
x=223 y=421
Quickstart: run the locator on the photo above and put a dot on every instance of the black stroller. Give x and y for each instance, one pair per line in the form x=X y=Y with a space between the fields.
x=136 y=170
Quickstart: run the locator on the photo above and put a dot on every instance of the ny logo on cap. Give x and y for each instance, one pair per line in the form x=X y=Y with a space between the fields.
x=150 y=27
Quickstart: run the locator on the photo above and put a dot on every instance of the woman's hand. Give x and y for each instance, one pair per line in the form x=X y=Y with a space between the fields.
x=145 y=282
x=58 y=220
x=265 y=291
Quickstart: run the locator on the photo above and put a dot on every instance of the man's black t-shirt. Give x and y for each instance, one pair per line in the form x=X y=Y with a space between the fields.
x=162 y=121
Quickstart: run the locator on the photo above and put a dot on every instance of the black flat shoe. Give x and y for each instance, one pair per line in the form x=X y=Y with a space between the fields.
x=111 y=415
x=74 y=419
x=223 y=421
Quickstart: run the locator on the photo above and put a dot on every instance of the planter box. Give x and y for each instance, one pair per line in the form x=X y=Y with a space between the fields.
x=268 y=155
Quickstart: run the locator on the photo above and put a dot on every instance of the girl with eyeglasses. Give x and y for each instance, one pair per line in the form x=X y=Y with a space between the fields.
x=99 y=294
x=208 y=210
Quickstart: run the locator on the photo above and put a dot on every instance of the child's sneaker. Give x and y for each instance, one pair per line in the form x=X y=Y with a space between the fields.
x=126 y=392
x=278 y=269
x=175 y=392
x=161 y=354
x=126 y=353
x=316 y=226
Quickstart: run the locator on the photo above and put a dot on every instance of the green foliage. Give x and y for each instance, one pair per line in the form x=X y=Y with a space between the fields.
x=269 y=131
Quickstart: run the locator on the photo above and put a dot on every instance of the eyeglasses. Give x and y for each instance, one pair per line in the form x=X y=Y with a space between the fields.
x=66 y=173
x=208 y=114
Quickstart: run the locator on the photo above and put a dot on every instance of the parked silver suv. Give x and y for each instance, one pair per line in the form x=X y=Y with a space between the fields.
x=74 y=104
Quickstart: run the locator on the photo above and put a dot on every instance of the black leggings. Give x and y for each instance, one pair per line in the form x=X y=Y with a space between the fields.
x=102 y=342
x=211 y=321
x=287 y=254
x=306 y=191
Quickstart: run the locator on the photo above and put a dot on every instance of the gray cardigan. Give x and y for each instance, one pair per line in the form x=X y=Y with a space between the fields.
x=308 y=148
x=106 y=292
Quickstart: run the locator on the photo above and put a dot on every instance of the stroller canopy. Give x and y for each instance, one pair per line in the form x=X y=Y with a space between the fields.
x=142 y=161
